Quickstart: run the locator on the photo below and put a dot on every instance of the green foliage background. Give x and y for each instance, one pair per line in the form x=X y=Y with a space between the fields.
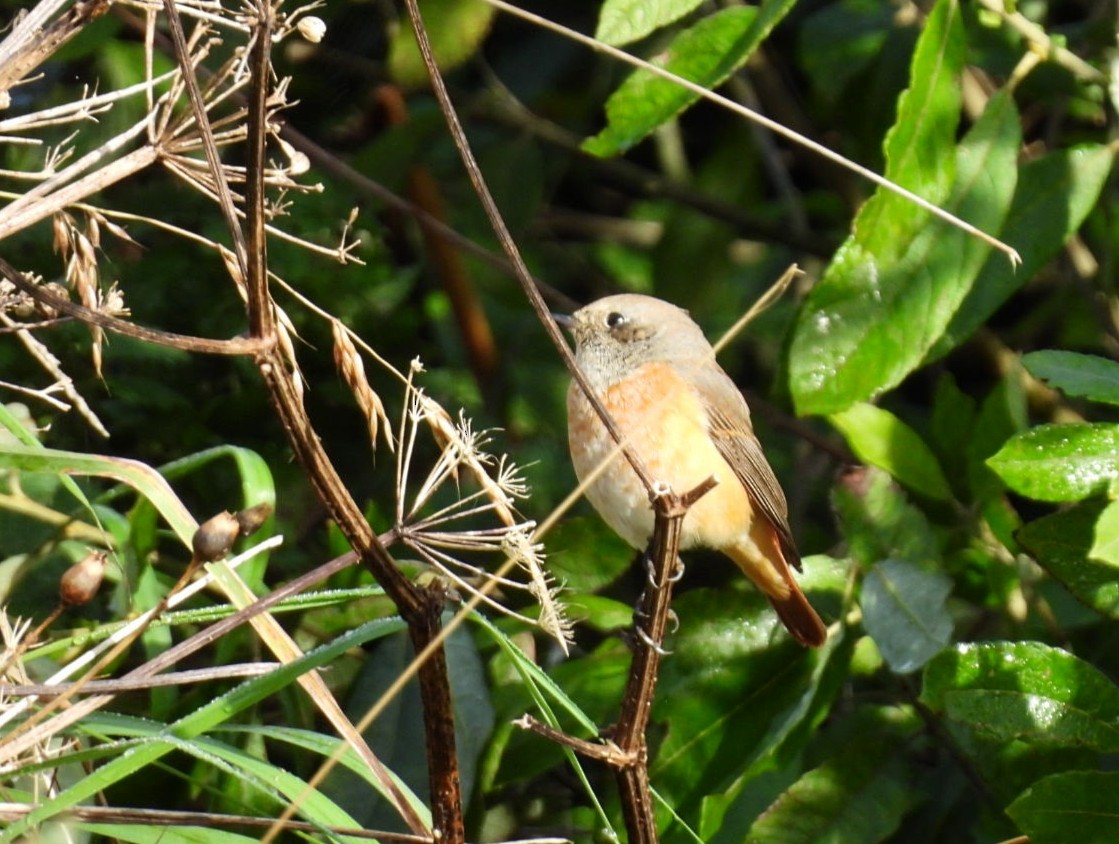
x=944 y=422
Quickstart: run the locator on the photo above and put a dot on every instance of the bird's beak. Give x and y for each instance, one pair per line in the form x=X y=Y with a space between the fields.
x=565 y=321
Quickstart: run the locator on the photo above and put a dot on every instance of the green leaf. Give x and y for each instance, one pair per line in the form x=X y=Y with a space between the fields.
x=1078 y=806
x=734 y=680
x=1060 y=462
x=139 y=477
x=904 y=612
x=396 y=734
x=213 y=714
x=878 y=520
x=839 y=41
x=1083 y=376
x=881 y=439
x=1025 y=691
x=621 y=22
x=1052 y=199
x=893 y=287
x=861 y=795
x=456 y=29
x=1105 y=542
x=706 y=54
x=1063 y=544
x=951 y=427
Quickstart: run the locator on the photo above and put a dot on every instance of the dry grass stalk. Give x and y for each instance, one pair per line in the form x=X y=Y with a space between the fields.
x=349 y=363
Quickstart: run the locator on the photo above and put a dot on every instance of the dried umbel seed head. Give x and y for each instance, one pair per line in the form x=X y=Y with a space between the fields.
x=82 y=580
x=251 y=518
x=215 y=537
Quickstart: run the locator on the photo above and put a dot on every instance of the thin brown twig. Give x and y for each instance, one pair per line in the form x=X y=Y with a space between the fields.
x=625 y=747
x=509 y=246
x=591 y=749
x=177 y=678
x=198 y=105
x=200 y=345
x=107 y=814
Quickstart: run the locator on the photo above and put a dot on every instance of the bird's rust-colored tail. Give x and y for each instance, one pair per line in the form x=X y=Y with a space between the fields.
x=799 y=618
x=768 y=567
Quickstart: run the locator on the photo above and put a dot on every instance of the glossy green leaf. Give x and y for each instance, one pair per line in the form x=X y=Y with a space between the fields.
x=859 y=795
x=1078 y=806
x=1060 y=462
x=1074 y=374
x=893 y=287
x=1063 y=544
x=1052 y=199
x=879 y=521
x=1105 y=538
x=904 y=612
x=735 y=679
x=456 y=29
x=621 y=22
x=832 y=359
x=1025 y=691
x=706 y=53
x=881 y=439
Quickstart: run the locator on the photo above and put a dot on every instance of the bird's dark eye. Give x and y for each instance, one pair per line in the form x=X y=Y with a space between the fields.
x=614 y=319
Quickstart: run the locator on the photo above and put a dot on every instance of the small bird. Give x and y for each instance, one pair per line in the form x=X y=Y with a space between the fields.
x=655 y=372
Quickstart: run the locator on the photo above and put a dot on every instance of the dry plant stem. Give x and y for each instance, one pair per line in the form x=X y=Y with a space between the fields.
x=53 y=195
x=10 y=812
x=200 y=345
x=176 y=678
x=26 y=728
x=625 y=749
x=331 y=164
x=421 y=609
x=509 y=246
x=32 y=40
x=50 y=363
x=198 y=105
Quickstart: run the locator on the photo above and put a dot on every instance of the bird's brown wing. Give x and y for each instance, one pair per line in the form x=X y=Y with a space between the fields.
x=731 y=430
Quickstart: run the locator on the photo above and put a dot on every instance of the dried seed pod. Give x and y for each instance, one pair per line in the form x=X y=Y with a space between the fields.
x=81 y=581
x=251 y=518
x=59 y=290
x=312 y=28
x=215 y=537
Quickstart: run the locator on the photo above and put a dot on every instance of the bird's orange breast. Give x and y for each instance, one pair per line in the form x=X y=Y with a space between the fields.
x=664 y=422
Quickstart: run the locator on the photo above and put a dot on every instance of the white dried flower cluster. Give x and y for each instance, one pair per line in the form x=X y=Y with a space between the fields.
x=474 y=523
